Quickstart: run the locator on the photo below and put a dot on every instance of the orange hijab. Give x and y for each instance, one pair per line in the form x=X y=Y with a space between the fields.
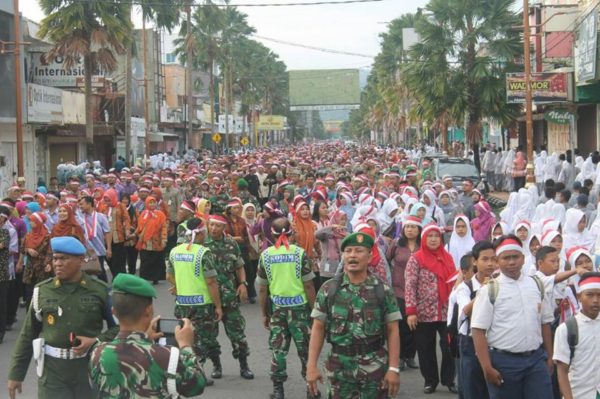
x=150 y=222
x=39 y=233
x=305 y=231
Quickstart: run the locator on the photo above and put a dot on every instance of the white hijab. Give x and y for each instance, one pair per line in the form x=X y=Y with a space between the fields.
x=384 y=217
x=459 y=246
x=572 y=236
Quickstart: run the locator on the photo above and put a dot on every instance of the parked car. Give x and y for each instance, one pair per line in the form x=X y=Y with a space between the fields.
x=429 y=156
x=458 y=168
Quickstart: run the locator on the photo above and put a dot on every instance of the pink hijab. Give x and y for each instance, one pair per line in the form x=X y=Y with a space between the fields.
x=482 y=225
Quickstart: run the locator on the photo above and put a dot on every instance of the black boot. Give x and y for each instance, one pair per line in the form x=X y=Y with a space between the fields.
x=277 y=391
x=244 y=369
x=217 y=368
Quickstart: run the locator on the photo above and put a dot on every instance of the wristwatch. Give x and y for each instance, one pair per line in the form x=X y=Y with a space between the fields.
x=243 y=282
x=394 y=369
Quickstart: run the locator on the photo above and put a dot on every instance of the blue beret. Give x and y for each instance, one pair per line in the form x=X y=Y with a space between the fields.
x=67 y=245
x=134 y=285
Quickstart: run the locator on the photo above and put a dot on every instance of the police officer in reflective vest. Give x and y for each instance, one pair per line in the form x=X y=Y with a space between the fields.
x=191 y=269
x=285 y=272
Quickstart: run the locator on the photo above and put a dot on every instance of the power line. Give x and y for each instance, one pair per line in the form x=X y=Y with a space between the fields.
x=289 y=4
x=325 y=50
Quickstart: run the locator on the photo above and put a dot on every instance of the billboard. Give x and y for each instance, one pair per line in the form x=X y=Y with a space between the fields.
x=585 y=50
x=270 y=122
x=324 y=89
x=44 y=104
x=545 y=87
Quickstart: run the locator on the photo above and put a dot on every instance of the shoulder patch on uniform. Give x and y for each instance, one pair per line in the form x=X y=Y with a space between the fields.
x=49 y=280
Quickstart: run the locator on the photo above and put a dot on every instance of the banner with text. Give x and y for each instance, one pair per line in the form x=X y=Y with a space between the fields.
x=271 y=122
x=545 y=87
x=44 y=104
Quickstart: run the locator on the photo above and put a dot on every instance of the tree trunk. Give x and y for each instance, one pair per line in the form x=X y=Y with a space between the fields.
x=211 y=89
x=89 y=111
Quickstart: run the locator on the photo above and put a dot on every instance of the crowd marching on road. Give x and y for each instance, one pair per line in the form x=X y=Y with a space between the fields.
x=366 y=248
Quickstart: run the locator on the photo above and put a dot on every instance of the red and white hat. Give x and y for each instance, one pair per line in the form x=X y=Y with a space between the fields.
x=413 y=220
x=574 y=253
x=299 y=205
x=185 y=205
x=40 y=217
x=548 y=236
x=235 y=201
x=429 y=228
x=509 y=244
x=523 y=223
x=589 y=282
x=218 y=219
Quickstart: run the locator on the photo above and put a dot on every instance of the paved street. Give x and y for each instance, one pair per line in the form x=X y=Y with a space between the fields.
x=232 y=385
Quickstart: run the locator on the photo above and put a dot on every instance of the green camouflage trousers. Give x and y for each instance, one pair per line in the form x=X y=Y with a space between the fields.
x=235 y=324
x=206 y=330
x=356 y=377
x=287 y=324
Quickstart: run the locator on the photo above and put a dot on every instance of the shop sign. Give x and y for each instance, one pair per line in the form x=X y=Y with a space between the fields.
x=545 y=87
x=44 y=104
x=559 y=116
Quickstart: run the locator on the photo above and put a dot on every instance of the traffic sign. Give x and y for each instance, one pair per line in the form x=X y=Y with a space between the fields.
x=244 y=141
x=216 y=138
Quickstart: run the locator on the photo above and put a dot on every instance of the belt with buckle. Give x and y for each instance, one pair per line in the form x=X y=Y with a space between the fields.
x=62 y=353
x=356 y=350
x=521 y=354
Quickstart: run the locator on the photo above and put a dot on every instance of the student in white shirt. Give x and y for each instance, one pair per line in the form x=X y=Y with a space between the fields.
x=579 y=372
x=508 y=334
x=472 y=380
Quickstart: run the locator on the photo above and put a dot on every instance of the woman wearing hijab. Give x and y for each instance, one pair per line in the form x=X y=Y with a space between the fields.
x=429 y=279
x=264 y=223
x=203 y=210
x=508 y=168
x=433 y=211
x=420 y=210
x=330 y=238
x=34 y=251
x=305 y=229
x=461 y=240
x=386 y=217
x=575 y=233
x=152 y=238
x=346 y=205
x=483 y=222
x=251 y=265
x=120 y=225
x=285 y=204
x=398 y=254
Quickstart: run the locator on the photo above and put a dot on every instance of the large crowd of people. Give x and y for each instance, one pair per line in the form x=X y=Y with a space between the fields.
x=499 y=287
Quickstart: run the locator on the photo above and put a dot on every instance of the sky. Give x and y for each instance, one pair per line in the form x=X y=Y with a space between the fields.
x=353 y=28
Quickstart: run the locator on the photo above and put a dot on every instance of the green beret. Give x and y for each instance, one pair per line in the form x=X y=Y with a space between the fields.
x=358 y=240
x=134 y=285
x=242 y=183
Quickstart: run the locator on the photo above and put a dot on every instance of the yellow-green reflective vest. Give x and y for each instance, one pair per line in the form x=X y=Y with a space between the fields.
x=192 y=289
x=284 y=273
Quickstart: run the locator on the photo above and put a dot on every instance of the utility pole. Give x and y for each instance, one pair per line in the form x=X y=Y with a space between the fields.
x=128 y=84
x=188 y=83
x=528 y=96
x=18 y=94
x=226 y=104
x=146 y=97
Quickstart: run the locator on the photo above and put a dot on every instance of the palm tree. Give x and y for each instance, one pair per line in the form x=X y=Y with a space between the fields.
x=92 y=30
x=466 y=49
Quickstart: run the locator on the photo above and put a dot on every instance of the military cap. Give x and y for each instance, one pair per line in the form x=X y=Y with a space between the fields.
x=129 y=284
x=67 y=245
x=358 y=240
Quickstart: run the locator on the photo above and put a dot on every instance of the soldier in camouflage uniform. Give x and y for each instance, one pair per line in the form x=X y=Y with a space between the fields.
x=196 y=289
x=133 y=365
x=232 y=286
x=71 y=302
x=356 y=311
x=285 y=272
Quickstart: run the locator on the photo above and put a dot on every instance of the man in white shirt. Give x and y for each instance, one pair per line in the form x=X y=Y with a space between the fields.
x=579 y=370
x=509 y=324
x=472 y=380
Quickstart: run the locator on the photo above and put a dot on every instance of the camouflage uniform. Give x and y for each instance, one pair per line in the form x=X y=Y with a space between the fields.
x=80 y=308
x=132 y=366
x=206 y=330
x=288 y=323
x=228 y=260
x=219 y=202
x=355 y=327
x=181 y=229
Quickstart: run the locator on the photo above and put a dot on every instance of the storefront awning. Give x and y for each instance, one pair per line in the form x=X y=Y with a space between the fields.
x=159 y=137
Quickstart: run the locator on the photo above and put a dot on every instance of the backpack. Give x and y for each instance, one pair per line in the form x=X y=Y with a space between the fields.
x=334 y=287
x=572 y=336
x=454 y=327
x=494 y=287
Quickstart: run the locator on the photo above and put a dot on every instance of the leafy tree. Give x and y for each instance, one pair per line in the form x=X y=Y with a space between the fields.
x=93 y=30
